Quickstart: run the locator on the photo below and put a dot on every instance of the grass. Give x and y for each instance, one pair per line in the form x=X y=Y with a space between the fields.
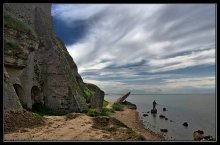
x=117 y=107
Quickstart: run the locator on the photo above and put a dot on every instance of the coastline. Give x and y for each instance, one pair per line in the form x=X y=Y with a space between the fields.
x=80 y=128
x=131 y=118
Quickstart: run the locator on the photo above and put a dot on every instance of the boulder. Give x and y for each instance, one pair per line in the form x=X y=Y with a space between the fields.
x=200 y=131
x=122 y=98
x=166 y=118
x=164 y=130
x=164 y=109
x=145 y=115
x=162 y=116
x=209 y=138
x=129 y=105
x=197 y=136
x=185 y=124
x=153 y=111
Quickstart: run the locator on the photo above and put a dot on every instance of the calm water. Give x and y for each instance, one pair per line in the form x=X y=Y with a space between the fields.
x=198 y=110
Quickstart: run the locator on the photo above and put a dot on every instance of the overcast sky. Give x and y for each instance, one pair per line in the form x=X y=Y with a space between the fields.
x=142 y=48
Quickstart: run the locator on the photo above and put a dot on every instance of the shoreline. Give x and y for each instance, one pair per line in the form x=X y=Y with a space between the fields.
x=131 y=118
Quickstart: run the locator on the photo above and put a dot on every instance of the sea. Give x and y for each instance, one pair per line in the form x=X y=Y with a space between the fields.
x=198 y=110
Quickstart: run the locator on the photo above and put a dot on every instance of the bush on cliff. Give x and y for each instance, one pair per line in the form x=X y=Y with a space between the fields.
x=107 y=112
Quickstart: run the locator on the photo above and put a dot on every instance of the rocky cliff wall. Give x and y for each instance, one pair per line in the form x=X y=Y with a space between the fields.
x=38 y=66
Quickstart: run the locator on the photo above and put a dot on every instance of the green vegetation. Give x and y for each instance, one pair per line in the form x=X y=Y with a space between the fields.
x=117 y=107
x=41 y=110
x=131 y=133
x=87 y=93
x=104 y=112
x=12 y=23
x=105 y=103
x=107 y=112
x=92 y=113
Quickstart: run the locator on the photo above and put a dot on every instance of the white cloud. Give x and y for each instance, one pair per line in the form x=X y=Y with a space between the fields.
x=166 y=37
x=178 y=62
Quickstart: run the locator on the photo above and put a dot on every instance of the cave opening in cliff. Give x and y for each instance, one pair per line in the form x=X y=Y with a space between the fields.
x=35 y=95
x=20 y=93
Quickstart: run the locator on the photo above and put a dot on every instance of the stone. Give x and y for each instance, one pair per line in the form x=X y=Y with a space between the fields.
x=166 y=118
x=185 y=124
x=153 y=111
x=129 y=105
x=197 y=136
x=209 y=138
x=164 y=130
x=164 y=109
x=162 y=116
x=200 y=131
x=122 y=98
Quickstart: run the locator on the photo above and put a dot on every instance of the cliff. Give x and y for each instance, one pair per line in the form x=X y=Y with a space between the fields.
x=37 y=67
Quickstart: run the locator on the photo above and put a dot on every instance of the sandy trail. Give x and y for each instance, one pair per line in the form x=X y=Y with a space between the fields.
x=58 y=128
x=130 y=118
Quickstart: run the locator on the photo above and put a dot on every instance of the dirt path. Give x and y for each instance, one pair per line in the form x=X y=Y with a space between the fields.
x=130 y=118
x=58 y=128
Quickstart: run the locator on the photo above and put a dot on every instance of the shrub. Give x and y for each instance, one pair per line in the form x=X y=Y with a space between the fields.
x=107 y=112
x=117 y=107
x=92 y=112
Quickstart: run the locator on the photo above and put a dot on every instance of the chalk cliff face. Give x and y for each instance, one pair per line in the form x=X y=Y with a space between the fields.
x=37 y=67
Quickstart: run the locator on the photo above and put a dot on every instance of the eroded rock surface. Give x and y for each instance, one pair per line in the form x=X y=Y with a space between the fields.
x=37 y=66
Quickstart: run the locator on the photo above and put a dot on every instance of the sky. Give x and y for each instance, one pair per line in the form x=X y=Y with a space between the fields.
x=142 y=48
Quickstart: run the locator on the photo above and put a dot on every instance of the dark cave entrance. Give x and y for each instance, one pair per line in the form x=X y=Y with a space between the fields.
x=36 y=98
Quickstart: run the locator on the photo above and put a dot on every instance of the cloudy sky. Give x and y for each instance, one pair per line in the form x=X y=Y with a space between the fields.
x=142 y=48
